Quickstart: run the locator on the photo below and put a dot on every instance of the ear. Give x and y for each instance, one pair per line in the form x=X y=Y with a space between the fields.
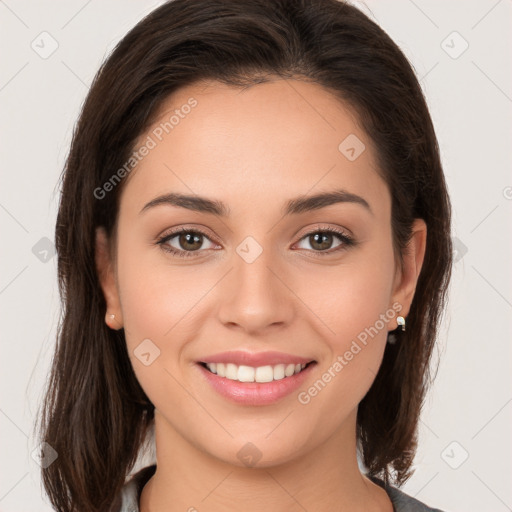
x=107 y=278
x=407 y=278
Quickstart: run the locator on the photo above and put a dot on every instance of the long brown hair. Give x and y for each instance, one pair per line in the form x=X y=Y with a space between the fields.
x=95 y=414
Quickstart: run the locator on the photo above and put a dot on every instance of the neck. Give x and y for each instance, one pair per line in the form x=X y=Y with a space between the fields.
x=328 y=478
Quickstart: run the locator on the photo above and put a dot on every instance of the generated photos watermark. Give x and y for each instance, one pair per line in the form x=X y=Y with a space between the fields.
x=304 y=397
x=151 y=142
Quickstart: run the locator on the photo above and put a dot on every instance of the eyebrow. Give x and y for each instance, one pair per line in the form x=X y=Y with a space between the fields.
x=294 y=206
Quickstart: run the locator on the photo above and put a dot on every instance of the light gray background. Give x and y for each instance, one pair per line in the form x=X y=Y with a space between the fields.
x=468 y=411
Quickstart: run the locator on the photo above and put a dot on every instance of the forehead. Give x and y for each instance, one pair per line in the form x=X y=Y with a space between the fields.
x=259 y=144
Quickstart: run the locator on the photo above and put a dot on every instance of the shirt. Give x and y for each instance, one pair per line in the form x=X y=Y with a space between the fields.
x=128 y=499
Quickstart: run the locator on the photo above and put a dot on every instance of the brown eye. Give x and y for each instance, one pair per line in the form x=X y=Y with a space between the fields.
x=322 y=240
x=184 y=242
x=190 y=241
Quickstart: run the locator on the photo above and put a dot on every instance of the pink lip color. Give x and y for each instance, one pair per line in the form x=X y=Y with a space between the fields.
x=255 y=393
x=240 y=357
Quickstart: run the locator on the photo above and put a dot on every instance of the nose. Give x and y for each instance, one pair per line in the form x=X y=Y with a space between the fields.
x=257 y=297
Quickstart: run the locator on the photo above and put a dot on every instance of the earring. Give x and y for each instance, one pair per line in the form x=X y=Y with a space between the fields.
x=109 y=319
x=400 y=320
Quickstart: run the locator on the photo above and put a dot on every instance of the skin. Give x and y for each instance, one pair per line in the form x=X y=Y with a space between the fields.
x=255 y=149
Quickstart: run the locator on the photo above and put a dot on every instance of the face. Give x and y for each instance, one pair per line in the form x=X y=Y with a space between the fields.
x=255 y=270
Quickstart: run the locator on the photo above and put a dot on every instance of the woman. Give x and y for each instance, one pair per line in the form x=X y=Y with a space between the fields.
x=254 y=253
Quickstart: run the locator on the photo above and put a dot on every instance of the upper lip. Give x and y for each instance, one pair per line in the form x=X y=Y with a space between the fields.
x=255 y=359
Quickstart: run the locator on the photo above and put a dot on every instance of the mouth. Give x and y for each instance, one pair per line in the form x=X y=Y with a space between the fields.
x=255 y=378
x=258 y=374
x=255 y=385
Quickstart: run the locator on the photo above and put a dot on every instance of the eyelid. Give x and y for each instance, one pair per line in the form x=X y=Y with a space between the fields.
x=347 y=240
x=323 y=228
x=168 y=235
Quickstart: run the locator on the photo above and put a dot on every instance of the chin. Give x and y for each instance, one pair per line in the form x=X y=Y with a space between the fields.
x=256 y=453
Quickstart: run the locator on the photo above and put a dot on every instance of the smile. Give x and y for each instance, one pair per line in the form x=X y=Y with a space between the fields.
x=243 y=373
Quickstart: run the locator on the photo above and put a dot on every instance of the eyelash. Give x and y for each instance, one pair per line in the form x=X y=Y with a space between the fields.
x=347 y=241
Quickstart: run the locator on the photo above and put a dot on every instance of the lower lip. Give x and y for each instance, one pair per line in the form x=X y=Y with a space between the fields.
x=255 y=393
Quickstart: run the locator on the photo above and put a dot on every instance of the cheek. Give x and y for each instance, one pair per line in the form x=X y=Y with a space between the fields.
x=350 y=299
x=153 y=299
x=352 y=302
x=154 y=305
x=358 y=313
x=163 y=309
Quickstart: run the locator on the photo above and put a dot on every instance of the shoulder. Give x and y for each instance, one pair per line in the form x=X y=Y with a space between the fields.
x=128 y=499
x=402 y=502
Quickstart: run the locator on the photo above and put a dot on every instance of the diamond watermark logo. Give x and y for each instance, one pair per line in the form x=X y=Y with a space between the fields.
x=249 y=250
x=249 y=454
x=454 y=45
x=459 y=249
x=44 y=455
x=45 y=45
x=454 y=455
x=146 y=352
x=352 y=147
x=44 y=250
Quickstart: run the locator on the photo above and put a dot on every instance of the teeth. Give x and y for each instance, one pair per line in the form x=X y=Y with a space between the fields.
x=221 y=369
x=289 y=370
x=231 y=371
x=278 y=372
x=246 y=374
x=264 y=374
x=249 y=374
